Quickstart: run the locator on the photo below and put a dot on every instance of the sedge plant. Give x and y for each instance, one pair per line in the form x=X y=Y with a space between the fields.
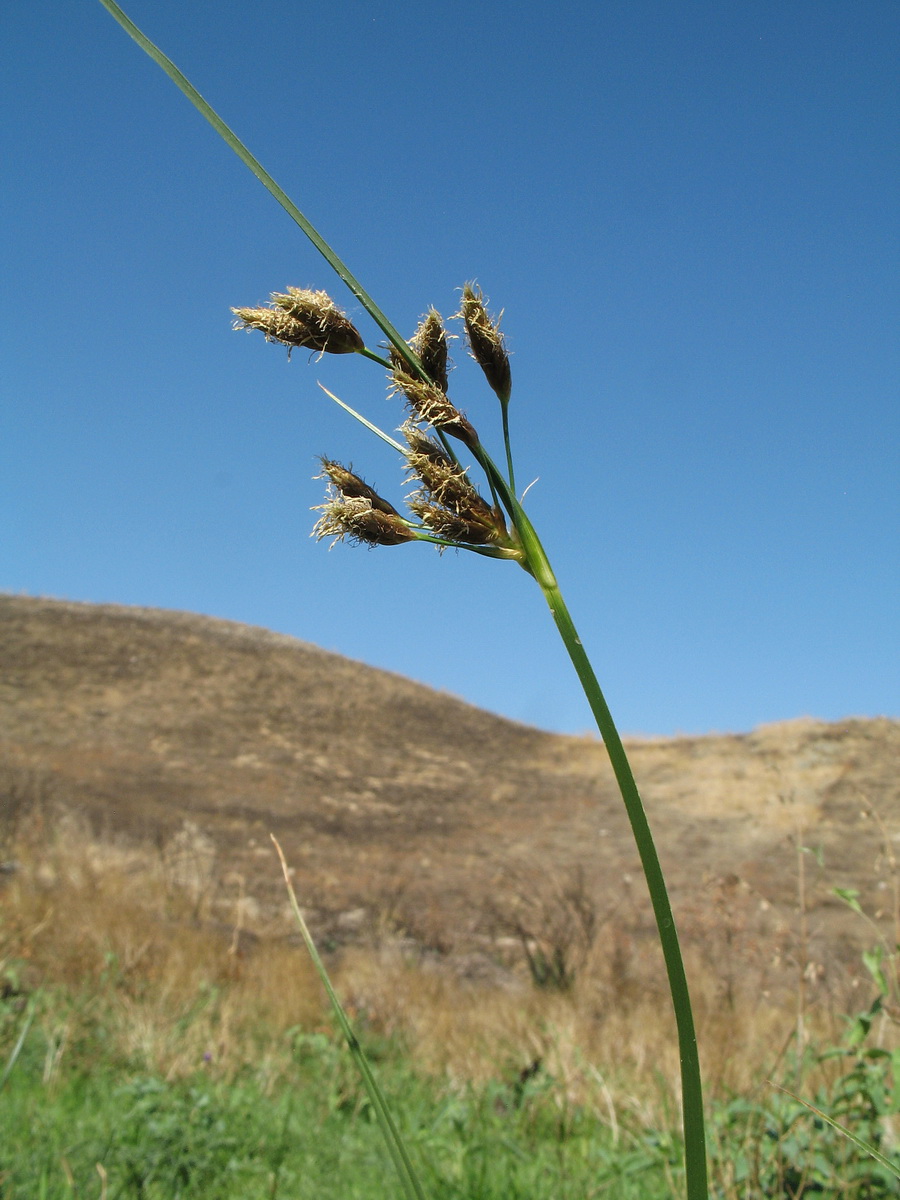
x=440 y=452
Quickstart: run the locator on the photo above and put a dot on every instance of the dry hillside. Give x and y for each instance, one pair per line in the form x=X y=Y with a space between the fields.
x=407 y=809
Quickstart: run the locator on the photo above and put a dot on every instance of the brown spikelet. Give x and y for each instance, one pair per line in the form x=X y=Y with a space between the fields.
x=358 y=521
x=429 y=343
x=352 y=486
x=447 y=501
x=299 y=317
x=429 y=404
x=486 y=342
x=354 y=510
x=453 y=526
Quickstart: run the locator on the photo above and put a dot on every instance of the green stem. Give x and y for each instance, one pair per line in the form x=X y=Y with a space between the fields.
x=537 y=564
x=367 y=353
x=504 y=409
x=396 y=1146
x=692 y=1089
x=506 y=553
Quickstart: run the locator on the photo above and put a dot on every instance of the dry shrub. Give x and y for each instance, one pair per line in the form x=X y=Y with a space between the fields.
x=554 y=918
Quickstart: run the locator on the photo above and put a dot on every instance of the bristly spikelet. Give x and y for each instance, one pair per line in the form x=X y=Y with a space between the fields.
x=486 y=342
x=447 y=502
x=299 y=317
x=429 y=404
x=445 y=482
x=453 y=526
x=351 y=486
x=429 y=343
x=354 y=510
x=356 y=519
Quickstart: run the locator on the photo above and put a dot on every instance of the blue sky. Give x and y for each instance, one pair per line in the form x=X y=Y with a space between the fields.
x=688 y=213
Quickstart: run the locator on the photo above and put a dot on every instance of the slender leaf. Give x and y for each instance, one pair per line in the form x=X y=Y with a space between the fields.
x=20 y=1042
x=391 y=1133
x=231 y=138
x=867 y=1147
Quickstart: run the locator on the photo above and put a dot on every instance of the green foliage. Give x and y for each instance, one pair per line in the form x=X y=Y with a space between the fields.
x=785 y=1147
x=782 y=1149
x=300 y=1125
x=311 y=1137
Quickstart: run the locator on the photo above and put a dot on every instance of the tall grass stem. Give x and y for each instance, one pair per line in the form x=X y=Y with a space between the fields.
x=230 y=138
x=537 y=564
x=20 y=1041
x=392 y=1137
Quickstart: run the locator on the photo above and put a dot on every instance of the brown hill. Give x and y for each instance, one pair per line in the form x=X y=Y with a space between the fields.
x=401 y=806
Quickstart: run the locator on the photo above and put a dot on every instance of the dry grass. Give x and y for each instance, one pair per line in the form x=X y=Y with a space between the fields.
x=141 y=944
x=134 y=940
x=608 y=1031
x=145 y=719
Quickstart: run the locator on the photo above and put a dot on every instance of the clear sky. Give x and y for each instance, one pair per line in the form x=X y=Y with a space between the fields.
x=689 y=213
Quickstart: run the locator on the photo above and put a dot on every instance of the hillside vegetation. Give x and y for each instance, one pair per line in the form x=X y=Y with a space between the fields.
x=192 y=739
x=475 y=889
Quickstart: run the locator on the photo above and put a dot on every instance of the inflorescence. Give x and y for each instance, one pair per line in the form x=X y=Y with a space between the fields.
x=444 y=507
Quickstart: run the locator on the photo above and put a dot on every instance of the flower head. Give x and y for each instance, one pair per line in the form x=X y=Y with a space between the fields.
x=354 y=510
x=486 y=342
x=430 y=344
x=299 y=317
x=356 y=519
x=447 y=501
x=352 y=487
x=429 y=404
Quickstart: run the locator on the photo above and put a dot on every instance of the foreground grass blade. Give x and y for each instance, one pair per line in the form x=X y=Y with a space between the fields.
x=20 y=1042
x=866 y=1147
x=391 y=1133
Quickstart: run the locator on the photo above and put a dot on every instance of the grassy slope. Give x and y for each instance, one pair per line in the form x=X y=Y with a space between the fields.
x=178 y=1033
x=392 y=799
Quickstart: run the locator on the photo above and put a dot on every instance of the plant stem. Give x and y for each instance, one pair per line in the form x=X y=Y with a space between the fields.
x=337 y=264
x=692 y=1089
x=367 y=353
x=504 y=409
x=537 y=564
x=396 y=1146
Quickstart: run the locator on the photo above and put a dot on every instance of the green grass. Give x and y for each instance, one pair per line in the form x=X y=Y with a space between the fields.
x=311 y=1134
x=79 y=1118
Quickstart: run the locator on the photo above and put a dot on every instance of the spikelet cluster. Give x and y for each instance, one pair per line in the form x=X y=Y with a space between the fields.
x=447 y=507
x=446 y=501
